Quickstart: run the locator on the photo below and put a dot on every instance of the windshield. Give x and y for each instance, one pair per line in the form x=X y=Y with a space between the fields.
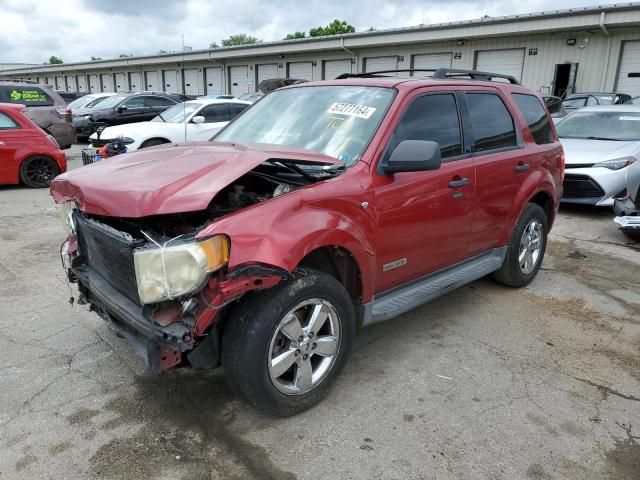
x=178 y=113
x=95 y=102
x=81 y=102
x=337 y=121
x=601 y=126
x=112 y=101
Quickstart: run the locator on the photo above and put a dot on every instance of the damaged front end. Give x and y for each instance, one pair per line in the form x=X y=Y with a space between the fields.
x=158 y=285
x=627 y=208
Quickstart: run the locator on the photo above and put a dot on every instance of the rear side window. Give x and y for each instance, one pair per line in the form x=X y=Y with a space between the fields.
x=31 y=96
x=491 y=122
x=237 y=109
x=6 y=122
x=535 y=116
x=158 y=102
x=434 y=118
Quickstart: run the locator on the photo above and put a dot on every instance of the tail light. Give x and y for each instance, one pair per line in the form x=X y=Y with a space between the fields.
x=64 y=112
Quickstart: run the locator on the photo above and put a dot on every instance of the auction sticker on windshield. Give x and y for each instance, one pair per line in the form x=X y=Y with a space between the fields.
x=360 y=111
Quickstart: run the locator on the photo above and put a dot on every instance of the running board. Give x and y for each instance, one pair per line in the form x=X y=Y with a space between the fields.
x=405 y=298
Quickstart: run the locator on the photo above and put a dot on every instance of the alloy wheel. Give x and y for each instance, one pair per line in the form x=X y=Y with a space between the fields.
x=530 y=246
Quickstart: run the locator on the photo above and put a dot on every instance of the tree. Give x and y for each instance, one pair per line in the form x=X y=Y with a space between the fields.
x=291 y=36
x=214 y=45
x=240 y=39
x=334 y=28
x=160 y=52
x=124 y=55
x=95 y=59
x=53 y=60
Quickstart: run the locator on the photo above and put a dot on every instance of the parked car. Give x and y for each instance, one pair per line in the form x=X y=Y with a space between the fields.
x=28 y=154
x=195 y=120
x=88 y=101
x=45 y=107
x=251 y=96
x=600 y=143
x=122 y=108
x=627 y=208
x=588 y=99
x=323 y=206
x=70 y=96
x=555 y=106
x=633 y=101
x=215 y=97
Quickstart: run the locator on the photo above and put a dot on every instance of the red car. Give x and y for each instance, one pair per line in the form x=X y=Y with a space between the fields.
x=323 y=207
x=28 y=154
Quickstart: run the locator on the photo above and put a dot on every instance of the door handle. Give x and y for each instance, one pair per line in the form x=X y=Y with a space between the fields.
x=460 y=182
x=521 y=167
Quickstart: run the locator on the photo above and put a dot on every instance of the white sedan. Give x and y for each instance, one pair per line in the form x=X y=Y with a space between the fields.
x=600 y=143
x=194 y=120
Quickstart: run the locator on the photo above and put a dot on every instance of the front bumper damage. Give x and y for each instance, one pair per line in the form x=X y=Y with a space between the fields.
x=182 y=332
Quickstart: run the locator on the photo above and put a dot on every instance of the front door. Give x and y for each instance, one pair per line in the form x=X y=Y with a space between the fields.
x=424 y=218
x=12 y=137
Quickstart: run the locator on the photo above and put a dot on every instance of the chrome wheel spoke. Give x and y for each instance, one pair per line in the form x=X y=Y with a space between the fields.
x=326 y=346
x=292 y=328
x=318 y=317
x=304 y=375
x=281 y=363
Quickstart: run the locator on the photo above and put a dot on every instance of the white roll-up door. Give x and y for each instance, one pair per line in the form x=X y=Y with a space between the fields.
x=375 y=64
x=333 y=68
x=107 y=82
x=504 y=62
x=300 y=70
x=135 y=82
x=94 y=83
x=239 y=80
x=51 y=82
x=628 y=80
x=60 y=85
x=170 y=84
x=42 y=80
x=152 y=83
x=82 y=83
x=430 y=61
x=191 y=82
x=71 y=83
x=266 y=71
x=213 y=77
x=121 y=82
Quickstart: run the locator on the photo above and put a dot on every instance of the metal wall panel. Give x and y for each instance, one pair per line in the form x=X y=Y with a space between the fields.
x=333 y=68
x=121 y=82
x=60 y=83
x=628 y=78
x=94 y=83
x=170 y=81
x=214 y=81
x=266 y=71
x=82 y=83
x=504 y=62
x=106 y=80
x=431 y=61
x=152 y=82
x=239 y=79
x=300 y=70
x=374 y=64
x=135 y=82
x=191 y=82
x=71 y=83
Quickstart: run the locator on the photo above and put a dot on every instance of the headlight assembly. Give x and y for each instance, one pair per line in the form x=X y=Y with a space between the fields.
x=66 y=210
x=616 y=163
x=170 y=271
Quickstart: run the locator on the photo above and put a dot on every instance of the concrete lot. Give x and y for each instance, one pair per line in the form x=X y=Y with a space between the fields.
x=484 y=383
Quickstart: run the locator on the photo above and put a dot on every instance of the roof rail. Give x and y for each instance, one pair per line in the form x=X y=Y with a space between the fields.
x=437 y=74
x=443 y=73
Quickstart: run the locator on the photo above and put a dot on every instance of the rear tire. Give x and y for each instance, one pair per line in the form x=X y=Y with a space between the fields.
x=38 y=171
x=153 y=142
x=270 y=353
x=526 y=249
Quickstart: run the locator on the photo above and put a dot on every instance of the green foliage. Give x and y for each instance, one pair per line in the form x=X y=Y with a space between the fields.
x=124 y=55
x=53 y=60
x=160 y=52
x=291 y=36
x=240 y=39
x=334 y=28
x=95 y=59
x=214 y=45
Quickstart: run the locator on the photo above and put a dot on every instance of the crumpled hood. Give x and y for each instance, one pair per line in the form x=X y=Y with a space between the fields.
x=593 y=151
x=167 y=179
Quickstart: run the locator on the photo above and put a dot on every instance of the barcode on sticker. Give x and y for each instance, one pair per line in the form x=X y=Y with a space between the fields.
x=359 y=111
x=636 y=119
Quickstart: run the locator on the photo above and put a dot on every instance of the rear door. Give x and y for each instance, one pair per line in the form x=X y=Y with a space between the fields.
x=154 y=105
x=502 y=164
x=424 y=219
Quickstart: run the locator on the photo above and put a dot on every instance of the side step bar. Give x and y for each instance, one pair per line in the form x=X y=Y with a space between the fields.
x=402 y=299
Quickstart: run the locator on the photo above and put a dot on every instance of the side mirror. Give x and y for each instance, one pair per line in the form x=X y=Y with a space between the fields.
x=198 y=119
x=414 y=156
x=121 y=108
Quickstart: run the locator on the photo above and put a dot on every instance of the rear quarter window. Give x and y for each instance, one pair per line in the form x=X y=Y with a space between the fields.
x=29 y=95
x=536 y=117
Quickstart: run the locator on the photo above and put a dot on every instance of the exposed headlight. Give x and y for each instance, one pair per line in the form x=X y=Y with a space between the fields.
x=172 y=271
x=66 y=210
x=616 y=163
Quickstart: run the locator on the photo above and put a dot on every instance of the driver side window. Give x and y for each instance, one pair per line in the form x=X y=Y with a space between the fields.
x=216 y=113
x=431 y=117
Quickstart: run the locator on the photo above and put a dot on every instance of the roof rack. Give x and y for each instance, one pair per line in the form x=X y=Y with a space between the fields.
x=437 y=74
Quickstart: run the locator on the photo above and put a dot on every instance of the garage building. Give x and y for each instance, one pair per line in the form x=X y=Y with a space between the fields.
x=575 y=50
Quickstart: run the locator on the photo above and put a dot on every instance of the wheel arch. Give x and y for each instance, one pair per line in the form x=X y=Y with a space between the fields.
x=161 y=139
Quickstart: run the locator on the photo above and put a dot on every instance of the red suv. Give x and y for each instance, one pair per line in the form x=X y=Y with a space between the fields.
x=323 y=207
x=27 y=153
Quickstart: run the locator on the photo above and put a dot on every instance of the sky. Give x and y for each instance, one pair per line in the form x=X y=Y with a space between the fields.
x=75 y=30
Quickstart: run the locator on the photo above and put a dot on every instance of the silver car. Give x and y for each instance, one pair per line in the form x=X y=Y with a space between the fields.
x=600 y=143
x=627 y=208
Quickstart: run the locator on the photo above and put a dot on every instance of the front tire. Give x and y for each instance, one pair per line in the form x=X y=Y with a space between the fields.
x=38 y=171
x=526 y=249
x=284 y=347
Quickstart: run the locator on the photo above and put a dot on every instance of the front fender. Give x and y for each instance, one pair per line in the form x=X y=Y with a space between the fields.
x=282 y=231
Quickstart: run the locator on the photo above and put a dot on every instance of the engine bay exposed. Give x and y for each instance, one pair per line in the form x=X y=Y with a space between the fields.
x=268 y=180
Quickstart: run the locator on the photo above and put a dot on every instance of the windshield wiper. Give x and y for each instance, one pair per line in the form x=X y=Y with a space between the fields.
x=603 y=138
